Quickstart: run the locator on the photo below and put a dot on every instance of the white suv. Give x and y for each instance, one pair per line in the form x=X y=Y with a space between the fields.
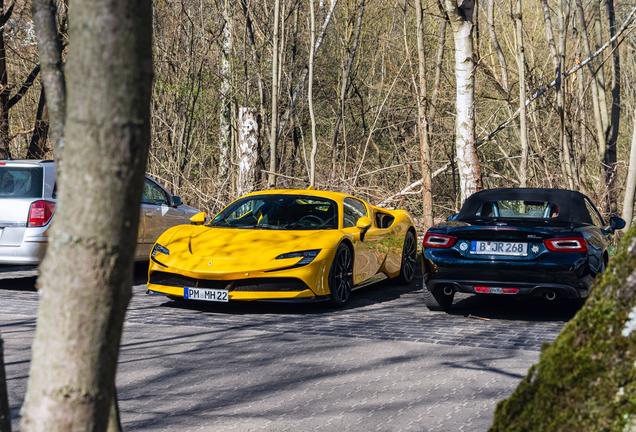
x=27 y=205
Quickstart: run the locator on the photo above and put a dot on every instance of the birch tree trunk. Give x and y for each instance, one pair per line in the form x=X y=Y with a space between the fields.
x=86 y=276
x=248 y=150
x=5 y=414
x=274 y=127
x=460 y=17
x=523 y=125
x=310 y=96
x=630 y=186
x=422 y=124
x=225 y=120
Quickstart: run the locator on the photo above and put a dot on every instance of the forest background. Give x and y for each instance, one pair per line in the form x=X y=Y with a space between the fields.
x=360 y=95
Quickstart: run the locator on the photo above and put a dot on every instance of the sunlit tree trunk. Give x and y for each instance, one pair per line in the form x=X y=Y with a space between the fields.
x=248 y=150
x=615 y=112
x=274 y=126
x=630 y=184
x=460 y=16
x=523 y=126
x=225 y=120
x=310 y=97
x=422 y=124
x=86 y=277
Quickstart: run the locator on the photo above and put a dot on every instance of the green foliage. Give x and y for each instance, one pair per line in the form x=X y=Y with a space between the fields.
x=586 y=379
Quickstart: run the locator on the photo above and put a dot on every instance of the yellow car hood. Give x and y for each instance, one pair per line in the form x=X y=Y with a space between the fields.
x=223 y=250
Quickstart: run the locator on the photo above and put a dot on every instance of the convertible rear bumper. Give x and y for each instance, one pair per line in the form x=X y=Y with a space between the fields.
x=524 y=289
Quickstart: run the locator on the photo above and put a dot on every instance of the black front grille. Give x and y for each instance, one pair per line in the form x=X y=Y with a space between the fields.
x=257 y=285
x=270 y=284
x=171 y=279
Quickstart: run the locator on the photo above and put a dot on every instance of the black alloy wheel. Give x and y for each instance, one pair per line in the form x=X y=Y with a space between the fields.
x=409 y=255
x=341 y=276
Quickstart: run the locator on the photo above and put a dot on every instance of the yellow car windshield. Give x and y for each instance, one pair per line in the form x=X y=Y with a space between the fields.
x=286 y=212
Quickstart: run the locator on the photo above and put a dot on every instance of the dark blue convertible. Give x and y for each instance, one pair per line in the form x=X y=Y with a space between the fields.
x=517 y=242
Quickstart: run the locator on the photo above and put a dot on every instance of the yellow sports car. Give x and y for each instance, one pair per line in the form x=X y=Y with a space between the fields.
x=284 y=245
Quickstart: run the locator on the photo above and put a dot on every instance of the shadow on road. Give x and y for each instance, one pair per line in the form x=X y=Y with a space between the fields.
x=524 y=309
x=381 y=292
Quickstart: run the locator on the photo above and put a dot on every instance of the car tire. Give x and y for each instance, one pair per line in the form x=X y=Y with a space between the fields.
x=409 y=255
x=341 y=276
x=437 y=301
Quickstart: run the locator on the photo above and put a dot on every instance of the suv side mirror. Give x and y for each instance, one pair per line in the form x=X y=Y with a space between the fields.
x=198 y=219
x=176 y=201
x=616 y=223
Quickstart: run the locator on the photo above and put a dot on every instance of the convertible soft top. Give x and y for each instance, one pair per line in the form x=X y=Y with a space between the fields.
x=571 y=204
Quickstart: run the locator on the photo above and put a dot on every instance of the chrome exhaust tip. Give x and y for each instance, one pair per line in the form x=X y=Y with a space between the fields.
x=550 y=295
x=448 y=290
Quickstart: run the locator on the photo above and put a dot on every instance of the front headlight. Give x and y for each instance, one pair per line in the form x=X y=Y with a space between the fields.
x=158 y=248
x=307 y=256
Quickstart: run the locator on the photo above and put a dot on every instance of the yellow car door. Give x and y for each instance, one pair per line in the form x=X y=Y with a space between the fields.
x=368 y=251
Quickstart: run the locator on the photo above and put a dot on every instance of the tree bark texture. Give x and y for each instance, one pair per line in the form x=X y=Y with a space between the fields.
x=225 y=120
x=52 y=76
x=615 y=115
x=523 y=122
x=310 y=97
x=585 y=379
x=5 y=151
x=248 y=150
x=422 y=124
x=460 y=17
x=566 y=161
x=5 y=414
x=37 y=146
x=274 y=128
x=630 y=184
x=86 y=277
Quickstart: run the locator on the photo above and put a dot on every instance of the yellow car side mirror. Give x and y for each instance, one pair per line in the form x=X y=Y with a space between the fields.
x=363 y=224
x=198 y=219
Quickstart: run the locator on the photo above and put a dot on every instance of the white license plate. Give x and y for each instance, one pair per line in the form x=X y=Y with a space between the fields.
x=498 y=248
x=205 y=294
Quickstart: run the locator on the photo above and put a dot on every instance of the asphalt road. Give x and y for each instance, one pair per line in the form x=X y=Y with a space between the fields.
x=383 y=363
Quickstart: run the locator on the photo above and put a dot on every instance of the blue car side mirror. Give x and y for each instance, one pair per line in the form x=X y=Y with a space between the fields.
x=616 y=223
x=452 y=217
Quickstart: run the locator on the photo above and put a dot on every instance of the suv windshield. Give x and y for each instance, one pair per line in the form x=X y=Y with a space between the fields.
x=286 y=212
x=21 y=182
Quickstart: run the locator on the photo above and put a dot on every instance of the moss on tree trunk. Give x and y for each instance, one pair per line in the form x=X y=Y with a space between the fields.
x=586 y=379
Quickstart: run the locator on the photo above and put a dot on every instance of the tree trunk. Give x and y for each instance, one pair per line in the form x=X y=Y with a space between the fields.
x=271 y=182
x=497 y=48
x=5 y=414
x=523 y=168
x=53 y=79
x=5 y=151
x=344 y=89
x=248 y=150
x=612 y=129
x=584 y=380
x=225 y=120
x=630 y=186
x=37 y=146
x=86 y=276
x=600 y=75
x=467 y=162
x=422 y=124
x=566 y=161
x=439 y=61
x=310 y=96
x=587 y=51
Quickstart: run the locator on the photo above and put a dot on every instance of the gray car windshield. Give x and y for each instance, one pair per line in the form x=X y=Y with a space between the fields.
x=283 y=212
x=21 y=182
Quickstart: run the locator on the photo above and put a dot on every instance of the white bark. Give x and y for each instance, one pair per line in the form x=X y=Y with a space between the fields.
x=310 y=96
x=467 y=162
x=248 y=150
x=630 y=187
x=274 y=137
x=523 y=124
x=225 y=131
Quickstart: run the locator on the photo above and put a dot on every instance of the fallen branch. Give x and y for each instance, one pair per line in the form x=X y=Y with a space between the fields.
x=413 y=185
